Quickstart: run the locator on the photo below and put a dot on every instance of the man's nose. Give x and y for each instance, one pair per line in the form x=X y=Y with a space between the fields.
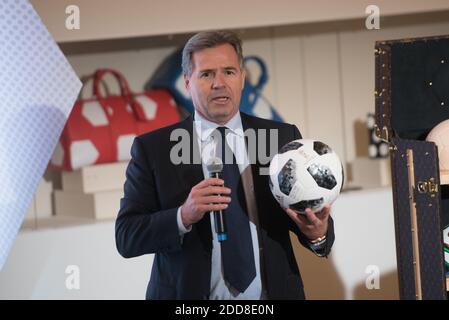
x=218 y=81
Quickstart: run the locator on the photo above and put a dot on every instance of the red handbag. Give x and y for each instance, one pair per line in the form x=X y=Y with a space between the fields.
x=101 y=129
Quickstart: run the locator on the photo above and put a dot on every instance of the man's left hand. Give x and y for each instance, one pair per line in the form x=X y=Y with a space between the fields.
x=312 y=225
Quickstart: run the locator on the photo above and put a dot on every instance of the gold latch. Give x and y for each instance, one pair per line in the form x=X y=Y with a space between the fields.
x=381 y=134
x=428 y=186
x=384 y=136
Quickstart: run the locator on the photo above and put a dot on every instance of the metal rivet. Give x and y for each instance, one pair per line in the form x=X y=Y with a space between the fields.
x=427 y=153
x=430 y=204
x=383 y=102
x=430 y=83
x=383 y=115
x=442 y=103
x=383 y=77
x=442 y=61
x=383 y=65
x=383 y=90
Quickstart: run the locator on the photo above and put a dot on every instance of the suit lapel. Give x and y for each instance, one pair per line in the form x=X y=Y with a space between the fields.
x=191 y=174
x=252 y=156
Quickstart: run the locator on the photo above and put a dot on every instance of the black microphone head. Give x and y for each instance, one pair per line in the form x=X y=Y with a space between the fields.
x=214 y=165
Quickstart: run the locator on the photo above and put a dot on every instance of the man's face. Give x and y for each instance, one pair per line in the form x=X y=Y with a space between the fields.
x=216 y=83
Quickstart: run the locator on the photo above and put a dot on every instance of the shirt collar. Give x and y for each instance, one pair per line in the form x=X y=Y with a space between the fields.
x=204 y=127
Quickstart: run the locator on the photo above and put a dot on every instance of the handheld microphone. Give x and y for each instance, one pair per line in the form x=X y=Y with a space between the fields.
x=215 y=167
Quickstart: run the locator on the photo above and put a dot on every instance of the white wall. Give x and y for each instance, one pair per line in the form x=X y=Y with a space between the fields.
x=364 y=245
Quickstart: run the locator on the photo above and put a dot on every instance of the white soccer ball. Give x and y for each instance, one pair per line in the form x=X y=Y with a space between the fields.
x=306 y=174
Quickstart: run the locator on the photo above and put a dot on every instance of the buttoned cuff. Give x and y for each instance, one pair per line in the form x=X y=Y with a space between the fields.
x=182 y=229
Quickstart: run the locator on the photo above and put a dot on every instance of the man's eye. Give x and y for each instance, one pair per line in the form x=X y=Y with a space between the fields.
x=230 y=72
x=205 y=75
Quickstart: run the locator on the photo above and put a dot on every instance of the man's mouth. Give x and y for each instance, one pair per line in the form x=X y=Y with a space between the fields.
x=220 y=99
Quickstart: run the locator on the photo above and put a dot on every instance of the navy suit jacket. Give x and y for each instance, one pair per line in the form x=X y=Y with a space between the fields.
x=147 y=220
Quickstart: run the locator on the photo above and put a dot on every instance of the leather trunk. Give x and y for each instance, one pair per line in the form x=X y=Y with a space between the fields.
x=412 y=97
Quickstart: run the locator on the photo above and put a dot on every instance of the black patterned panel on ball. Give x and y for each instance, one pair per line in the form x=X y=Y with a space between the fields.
x=321 y=148
x=294 y=145
x=301 y=206
x=286 y=177
x=323 y=176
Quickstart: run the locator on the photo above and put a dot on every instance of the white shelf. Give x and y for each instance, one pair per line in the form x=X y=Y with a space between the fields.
x=37 y=265
x=58 y=222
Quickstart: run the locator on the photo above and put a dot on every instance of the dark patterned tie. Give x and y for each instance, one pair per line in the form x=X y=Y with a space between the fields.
x=237 y=251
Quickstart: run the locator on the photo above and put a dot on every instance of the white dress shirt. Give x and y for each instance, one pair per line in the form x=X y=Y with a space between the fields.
x=219 y=288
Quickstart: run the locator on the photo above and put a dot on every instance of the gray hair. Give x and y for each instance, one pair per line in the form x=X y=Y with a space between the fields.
x=209 y=39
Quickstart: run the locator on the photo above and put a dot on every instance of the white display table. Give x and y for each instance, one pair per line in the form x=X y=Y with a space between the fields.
x=365 y=244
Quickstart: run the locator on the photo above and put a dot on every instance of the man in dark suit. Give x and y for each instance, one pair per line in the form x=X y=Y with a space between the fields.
x=169 y=199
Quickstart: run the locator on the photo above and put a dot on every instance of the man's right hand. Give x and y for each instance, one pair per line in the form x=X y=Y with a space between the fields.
x=203 y=198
